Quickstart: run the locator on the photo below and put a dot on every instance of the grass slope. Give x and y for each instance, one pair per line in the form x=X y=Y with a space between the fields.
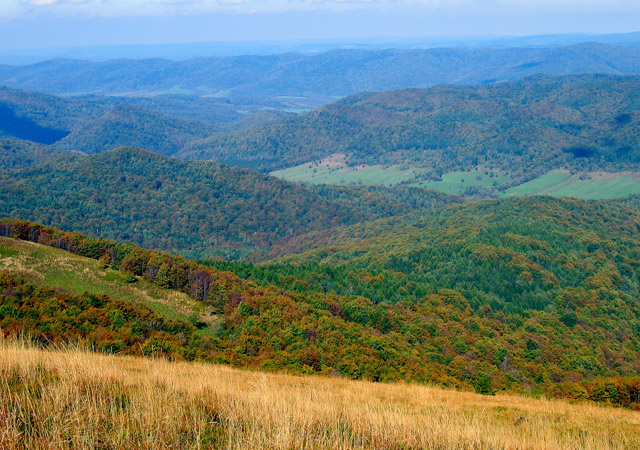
x=69 y=398
x=588 y=186
x=50 y=267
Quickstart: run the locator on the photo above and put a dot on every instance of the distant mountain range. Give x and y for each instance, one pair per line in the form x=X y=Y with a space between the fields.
x=191 y=50
x=334 y=73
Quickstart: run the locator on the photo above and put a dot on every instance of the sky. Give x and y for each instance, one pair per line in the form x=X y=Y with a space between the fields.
x=56 y=23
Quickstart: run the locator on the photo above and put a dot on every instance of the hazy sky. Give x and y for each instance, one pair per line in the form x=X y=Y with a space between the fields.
x=33 y=23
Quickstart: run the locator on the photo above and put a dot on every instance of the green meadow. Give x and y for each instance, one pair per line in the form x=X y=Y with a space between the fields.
x=345 y=175
x=451 y=183
x=460 y=182
x=555 y=183
x=590 y=186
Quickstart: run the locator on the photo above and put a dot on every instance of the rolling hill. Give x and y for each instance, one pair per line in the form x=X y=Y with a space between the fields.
x=476 y=141
x=98 y=121
x=17 y=153
x=521 y=129
x=333 y=73
x=195 y=208
x=411 y=303
x=43 y=118
x=132 y=126
x=513 y=253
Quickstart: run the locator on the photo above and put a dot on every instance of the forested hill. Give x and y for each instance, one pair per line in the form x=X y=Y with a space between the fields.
x=105 y=122
x=525 y=127
x=337 y=73
x=513 y=253
x=18 y=153
x=44 y=118
x=195 y=208
x=532 y=267
x=417 y=302
x=127 y=125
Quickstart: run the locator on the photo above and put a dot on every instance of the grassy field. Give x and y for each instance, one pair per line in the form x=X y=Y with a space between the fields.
x=297 y=104
x=589 y=186
x=594 y=185
x=459 y=182
x=51 y=267
x=334 y=170
x=73 y=399
x=452 y=183
x=323 y=174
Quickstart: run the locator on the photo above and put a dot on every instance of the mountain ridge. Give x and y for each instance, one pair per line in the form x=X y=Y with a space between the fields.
x=197 y=208
x=133 y=126
x=337 y=72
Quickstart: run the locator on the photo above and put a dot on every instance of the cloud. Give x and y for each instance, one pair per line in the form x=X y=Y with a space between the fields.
x=43 y=2
x=120 y=8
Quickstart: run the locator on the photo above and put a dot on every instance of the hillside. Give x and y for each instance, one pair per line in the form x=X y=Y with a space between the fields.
x=17 y=153
x=43 y=118
x=521 y=129
x=132 y=126
x=89 y=400
x=51 y=268
x=102 y=121
x=578 y=341
x=520 y=262
x=334 y=73
x=512 y=254
x=195 y=208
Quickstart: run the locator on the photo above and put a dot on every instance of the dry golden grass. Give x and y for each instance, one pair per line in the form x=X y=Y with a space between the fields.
x=74 y=399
